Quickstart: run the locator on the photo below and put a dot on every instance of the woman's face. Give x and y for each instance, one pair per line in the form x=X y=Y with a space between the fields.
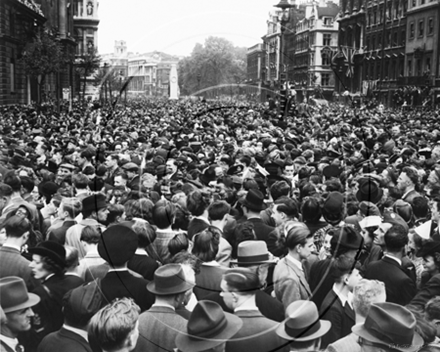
x=38 y=271
x=429 y=264
x=22 y=212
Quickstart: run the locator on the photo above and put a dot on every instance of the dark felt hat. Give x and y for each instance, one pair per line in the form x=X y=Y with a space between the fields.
x=208 y=175
x=332 y=171
x=429 y=248
x=169 y=280
x=334 y=203
x=52 y=250
x=369 y=191
x=14 y=294
x=117 y=244
x=254 y=200
x=94 y=202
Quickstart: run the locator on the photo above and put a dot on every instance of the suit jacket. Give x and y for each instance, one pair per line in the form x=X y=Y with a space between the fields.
x=64 y=340
x=269 y=306
x=208 y=280
x=118 y=284
x=290 y=283
x=143 y=265
x=261 y=229
x=400 y=288
x=341 y=317
x=5 y=348
x=257 y=334
x=12 y=263
x=59 y=235
x=158 y=329
x=430 y=290
x=320 y=280
x=348 y=343
x=135 y=183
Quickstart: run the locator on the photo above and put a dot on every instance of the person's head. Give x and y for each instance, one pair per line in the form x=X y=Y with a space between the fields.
x=432 y=312
x=289 y=169
x=17 y=227
x=420 y=207
x=379 y=233
x=48 y=258
x=345 y=271
x=141 y=208
x=197 y=202
x=5 y=195
x=69 y=208
x=16 y=305
x=346 y=240
x=299 y=242
x=95 y=207
x=237 y=285
x=80 y=181
x=171 y=166
x=218 y=210
x=284 y=209
x=396 y=238
x=164 y=214
x=365 y=293
x=72 y=258
x=407 y=178
x=311 y=210
x=303 y=327
x=178 y=243
x=279 y=189
x=206 y=244
x=27 y=184
x=115 y=327
x=112 y=161
x=121 y=179
x=90 y=235
x=13 y=181
x=430 y=252
x=115 y=213
x=333 y=209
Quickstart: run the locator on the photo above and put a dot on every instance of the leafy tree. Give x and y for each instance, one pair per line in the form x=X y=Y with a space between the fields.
x=44 y=55
x=214 y=63
x=86 y=65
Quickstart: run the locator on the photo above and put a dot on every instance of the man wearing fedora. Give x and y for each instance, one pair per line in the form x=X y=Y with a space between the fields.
x=208 y=329
x=94 y=211
x=388 y=327
x=16 y=303
x=302 y=327
x=159 y=326
x=252 y=205
x=117 y=246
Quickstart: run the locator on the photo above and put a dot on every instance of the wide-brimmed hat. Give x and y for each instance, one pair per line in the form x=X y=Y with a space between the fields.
x=429 y=248
x=117 y=244
x=369 y=190
x=52 y=250
x=208 y=175
x=332 y=171
x=208 y=326
x=302 y=322
x=14 y=294
x=392 y=325
x=334 y=203
x=169 y=280
x=254 y=200
x=253 y=253
x=346 y=237
x=94 y=202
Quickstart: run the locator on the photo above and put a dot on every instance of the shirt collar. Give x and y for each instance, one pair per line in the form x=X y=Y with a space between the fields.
x=119 y=269
x=11 y=342
x=296 y=262
x=211 y=263
x=141 y=251
x=406 y=193
x=203 y=219
x=12 y=246
x=163 y=305
x=344 y=298
x=79 y=332
x=393 y=257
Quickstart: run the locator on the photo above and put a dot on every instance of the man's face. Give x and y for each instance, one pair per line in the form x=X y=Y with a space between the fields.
x=61 y=213
x=110 y=162
x=435 y=213
x=102 y=215
x=276 y=215
x=171 y=167
x=289 y=170
x=306 y=250
x=62 y=172
x=19 y=320
x=379 y=234
x=39 y=150
x=120 y=181
x=395 y=131
x=226 y=295
x=403 y=181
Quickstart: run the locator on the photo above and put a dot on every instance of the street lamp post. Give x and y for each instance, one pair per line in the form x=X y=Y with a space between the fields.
x=285 y=7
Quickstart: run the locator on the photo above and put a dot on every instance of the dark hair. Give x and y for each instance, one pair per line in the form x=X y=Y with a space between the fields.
x=5 y=190
x=178 y=243
x=90 y=234
x=396 y=238
x=311 y=210
x=244 y=231
x=334 y=185
x=187 y=258
x=218 y=210
x=80 y=181
x=412 y=174
x=197 y=202
x=206 y=244
x=142 y=208
x=420 y=207
x=288 y=206
x=114 y=210
x=52 y=266
x=71 y=316
x=278 y=189
x=307 y=189
x=164 y=213
x=432 y=308
x=297 y=236
x=146 y=233
x=13 y=181
x=73 y=206
x=27 y=183
x=343 y=265
x=16 y=226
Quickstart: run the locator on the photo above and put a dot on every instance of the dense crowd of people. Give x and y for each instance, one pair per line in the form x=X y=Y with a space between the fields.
x=197 y=225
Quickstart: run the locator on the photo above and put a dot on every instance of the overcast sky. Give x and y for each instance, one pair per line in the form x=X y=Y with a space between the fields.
x=175 y=26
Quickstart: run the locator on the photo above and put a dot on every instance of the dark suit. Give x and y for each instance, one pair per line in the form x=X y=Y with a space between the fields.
x=59 y=235
x=118 y=284
x=341 y=317
x=208 y=280
x=143 y=265
x=400 y=288
x=196 y=226
x=158 y=329
x=64 y=340
x=257 y=334
x=430 y=290
x=320 y=280
x=12 y=263
x=135 y=183
x=269 y=306
x=261 y=229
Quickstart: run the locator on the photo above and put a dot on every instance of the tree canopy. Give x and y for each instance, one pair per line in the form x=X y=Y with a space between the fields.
x=215 y=62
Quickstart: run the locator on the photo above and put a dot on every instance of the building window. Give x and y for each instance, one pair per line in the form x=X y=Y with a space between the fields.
x=373 y=42
x=325 y=79
x=12 y=73
x=389 y=39
x=422 y=2
x=327 y=39
x=428 y=65
x=409 y=67
x=421 y=28
x=327 y=21
x=411 y=30
x=430 y=26
x=414 y=3
x=326 y=60
x=395 y=41
x=403 y=38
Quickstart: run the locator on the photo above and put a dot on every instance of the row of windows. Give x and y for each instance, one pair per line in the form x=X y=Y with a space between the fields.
x=391 y=40
x=421 y=28
x=394 y=11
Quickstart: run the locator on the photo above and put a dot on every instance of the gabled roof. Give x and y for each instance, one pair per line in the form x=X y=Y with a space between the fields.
x=328 y=11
